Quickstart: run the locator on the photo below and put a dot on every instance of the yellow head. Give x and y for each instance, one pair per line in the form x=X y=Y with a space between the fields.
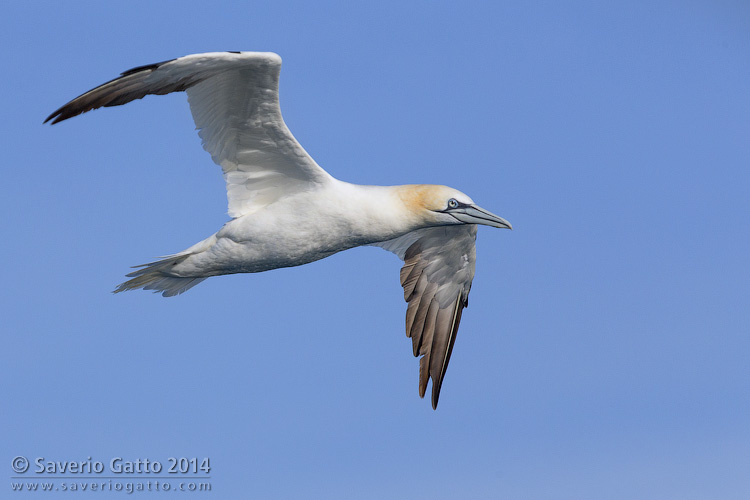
x=437 y=205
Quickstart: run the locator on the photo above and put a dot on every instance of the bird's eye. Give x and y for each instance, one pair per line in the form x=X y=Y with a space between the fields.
x=452 y=203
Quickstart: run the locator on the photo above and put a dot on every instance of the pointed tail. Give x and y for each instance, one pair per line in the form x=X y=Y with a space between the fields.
x=156 y=276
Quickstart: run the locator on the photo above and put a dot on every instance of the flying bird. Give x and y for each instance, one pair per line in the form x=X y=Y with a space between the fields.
x=287 y=211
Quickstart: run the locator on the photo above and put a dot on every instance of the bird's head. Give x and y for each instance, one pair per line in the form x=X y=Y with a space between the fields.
x=441 y=205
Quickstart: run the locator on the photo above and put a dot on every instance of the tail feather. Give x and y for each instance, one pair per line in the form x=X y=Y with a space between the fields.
x=156 y=276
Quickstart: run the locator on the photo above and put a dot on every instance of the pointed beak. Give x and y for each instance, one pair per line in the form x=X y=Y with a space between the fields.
x=476 y=215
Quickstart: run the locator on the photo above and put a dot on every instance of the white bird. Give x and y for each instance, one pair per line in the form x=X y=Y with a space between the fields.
x=287 y=211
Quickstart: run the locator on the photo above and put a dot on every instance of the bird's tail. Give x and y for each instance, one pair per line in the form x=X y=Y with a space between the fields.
x=156 y=276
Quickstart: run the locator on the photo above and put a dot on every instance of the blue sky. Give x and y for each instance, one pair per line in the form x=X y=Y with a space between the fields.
x=606 y=349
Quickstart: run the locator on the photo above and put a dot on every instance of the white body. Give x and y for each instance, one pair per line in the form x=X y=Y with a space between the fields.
x=300 y=229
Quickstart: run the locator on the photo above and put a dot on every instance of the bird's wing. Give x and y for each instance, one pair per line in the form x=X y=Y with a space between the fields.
x=437 y=274
x=234 y=98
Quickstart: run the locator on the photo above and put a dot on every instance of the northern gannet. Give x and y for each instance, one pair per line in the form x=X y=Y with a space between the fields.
x=287 y=211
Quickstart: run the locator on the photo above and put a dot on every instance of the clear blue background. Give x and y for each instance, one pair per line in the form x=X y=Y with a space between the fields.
x=606 y=349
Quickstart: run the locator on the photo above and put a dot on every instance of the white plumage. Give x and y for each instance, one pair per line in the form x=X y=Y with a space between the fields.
x=287 y=211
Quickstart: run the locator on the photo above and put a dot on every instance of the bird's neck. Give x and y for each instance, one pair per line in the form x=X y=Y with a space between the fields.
x=376 y=213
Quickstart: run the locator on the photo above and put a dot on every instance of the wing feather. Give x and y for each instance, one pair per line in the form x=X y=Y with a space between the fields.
x=426 y=349
x=436 y=276
x=420 y=317
x=446 y=327
x=234 y=98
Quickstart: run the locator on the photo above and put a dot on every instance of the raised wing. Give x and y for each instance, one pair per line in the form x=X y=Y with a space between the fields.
x=438 y=270
x=234 y=98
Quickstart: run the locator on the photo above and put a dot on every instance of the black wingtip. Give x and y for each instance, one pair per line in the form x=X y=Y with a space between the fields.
x=50 y=117
x=70 y=110
x=60 y=115
x=436 y=392
x=145 y=67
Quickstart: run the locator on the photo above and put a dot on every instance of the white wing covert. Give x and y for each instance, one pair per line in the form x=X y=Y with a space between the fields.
x=234 y=99
x=438 y=269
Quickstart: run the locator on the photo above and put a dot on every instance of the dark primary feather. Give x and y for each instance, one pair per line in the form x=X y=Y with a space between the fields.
x=129 y=86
